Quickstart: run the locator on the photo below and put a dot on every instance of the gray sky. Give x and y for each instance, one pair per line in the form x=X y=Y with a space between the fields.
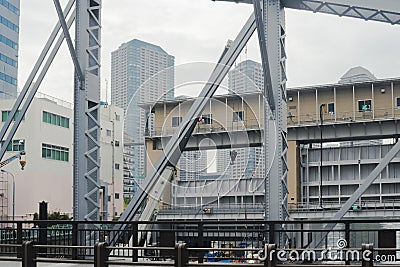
x=320 y=48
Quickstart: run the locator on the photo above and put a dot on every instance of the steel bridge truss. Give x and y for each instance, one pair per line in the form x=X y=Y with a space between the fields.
x=269 y=17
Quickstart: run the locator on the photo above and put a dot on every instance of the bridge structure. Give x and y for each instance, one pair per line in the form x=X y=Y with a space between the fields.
x=269 y=21
x=352 y=146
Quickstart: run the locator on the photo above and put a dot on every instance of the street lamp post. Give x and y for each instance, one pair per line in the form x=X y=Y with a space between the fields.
x=13 y=194
x=321 y=118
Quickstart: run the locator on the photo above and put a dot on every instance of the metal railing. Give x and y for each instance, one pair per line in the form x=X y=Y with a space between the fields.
x=336 y=205
x=205 y=243
x=214 y=127
x=312 y=119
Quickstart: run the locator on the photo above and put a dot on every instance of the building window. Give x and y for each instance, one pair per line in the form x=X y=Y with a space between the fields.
x=108 y=132
x=9 y=6
x=55 y=152
x=116 y=195
x=116 y=143
x=176 y=121
x=9 y=24
x=238 y=116
x=6 y=113
x=331 y=108
x=206 y=119
x=116 y=166
x=109 y=198
x=8 y=60
x=117 y=117
x=55 y=119
x=364 y=105
x=8 y=42
x=15 y=145
x=398 y=102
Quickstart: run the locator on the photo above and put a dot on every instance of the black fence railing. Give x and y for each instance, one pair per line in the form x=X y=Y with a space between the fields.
x=185 y=243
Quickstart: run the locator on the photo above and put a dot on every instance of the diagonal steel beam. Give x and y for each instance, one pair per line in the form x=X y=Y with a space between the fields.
x=367 y=10
x=68 y=39
x=267 y=90
x=30 y=79
x=175 y=146
x=358 y=193
x=34 y=88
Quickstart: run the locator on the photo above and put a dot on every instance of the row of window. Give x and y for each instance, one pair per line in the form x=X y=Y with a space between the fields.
x=55 y=152
x=10 y=6
x=8 y=42
x=15 y=145
x=8 y=60
x=5 y=114
x=8 y=78
x=48 y=151
x=55 y=119
x=9 y=24
x=208 y=119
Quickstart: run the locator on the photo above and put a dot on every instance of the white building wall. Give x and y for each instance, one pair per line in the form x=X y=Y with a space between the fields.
x=46 y=179
x=43 y=179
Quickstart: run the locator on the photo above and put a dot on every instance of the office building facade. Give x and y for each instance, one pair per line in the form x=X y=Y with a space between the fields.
x=9 y=38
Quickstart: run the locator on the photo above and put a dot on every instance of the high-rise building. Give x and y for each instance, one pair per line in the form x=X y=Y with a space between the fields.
x=140 y=73
x=9 y=37
x=246 y=77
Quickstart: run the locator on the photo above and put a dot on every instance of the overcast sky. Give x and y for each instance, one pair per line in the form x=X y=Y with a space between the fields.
x=320 y=48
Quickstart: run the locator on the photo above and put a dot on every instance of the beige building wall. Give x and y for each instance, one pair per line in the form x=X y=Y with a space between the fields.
x=303 y=105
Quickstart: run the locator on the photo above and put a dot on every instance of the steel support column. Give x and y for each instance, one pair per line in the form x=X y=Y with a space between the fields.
x=276 y=191
x=86 y=114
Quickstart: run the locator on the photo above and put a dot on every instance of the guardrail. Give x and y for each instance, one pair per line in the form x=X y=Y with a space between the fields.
x=335 y=205
x=312 y=119
x=182 y=256
x=206 y=243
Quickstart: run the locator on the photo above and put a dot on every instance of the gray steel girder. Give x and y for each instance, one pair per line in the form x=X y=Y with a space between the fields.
x=346 y=8
x=175 y=146
x=387 y=12
x=86 y=180
x=267 y=90
x=68 y=40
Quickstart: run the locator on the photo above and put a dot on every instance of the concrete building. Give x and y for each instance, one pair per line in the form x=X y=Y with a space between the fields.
x=140 y=72
x=112 y=161
x=9 y=39
x=345 y=165
x=46 y=134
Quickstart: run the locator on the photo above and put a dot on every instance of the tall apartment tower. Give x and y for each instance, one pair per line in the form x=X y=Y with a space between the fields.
x=9 y=37
x=140 y=73
x=246 y=77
